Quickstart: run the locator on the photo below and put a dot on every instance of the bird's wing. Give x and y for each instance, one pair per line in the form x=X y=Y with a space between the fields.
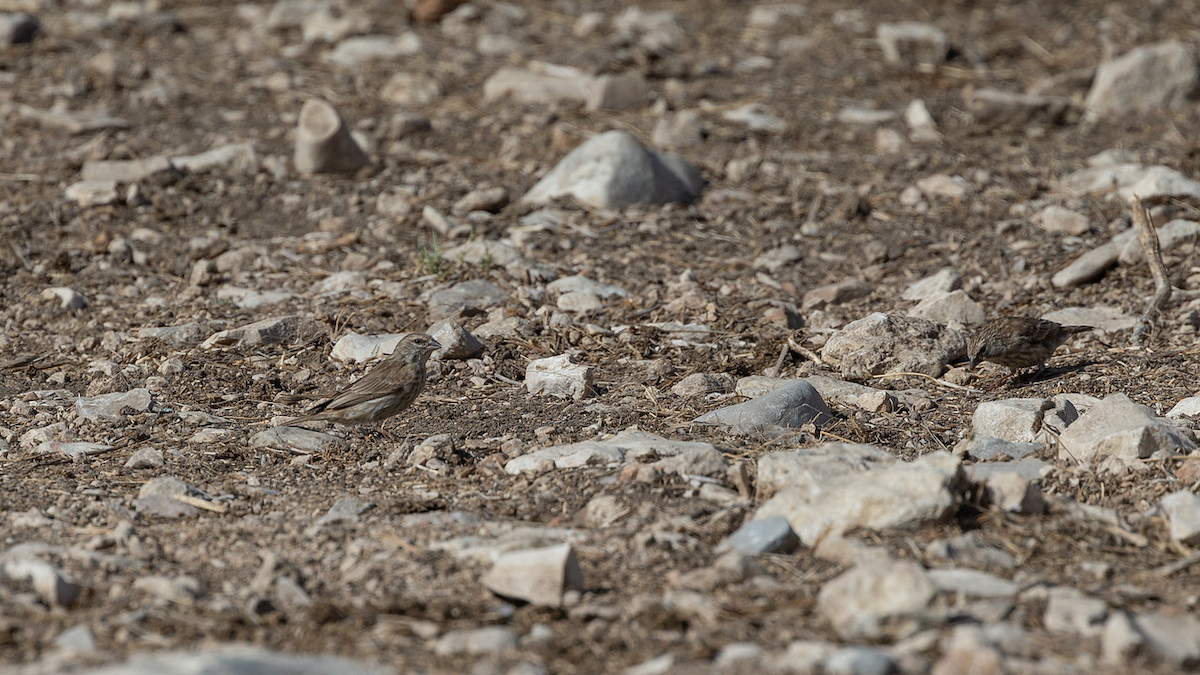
x=383 y=380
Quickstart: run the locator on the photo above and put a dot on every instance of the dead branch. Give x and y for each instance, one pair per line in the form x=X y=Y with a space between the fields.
x=1153 y=253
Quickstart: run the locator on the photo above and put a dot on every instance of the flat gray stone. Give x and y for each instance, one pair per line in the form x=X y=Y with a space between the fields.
x=1023 y=420
x=862 y=600
x=614 y=171
x=1183 y=512
x=1173 y=634
x=1153 y=77
x=791 y=406
x=237 y=660
x=767 y=535
x=1120 y=429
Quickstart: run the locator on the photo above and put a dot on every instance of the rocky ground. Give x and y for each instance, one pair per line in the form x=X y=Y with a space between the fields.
x=696 y=412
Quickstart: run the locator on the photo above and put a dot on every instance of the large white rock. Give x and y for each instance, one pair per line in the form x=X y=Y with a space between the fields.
x=614 y=171
x=537 y=576
x=814 y=466
x=1183 y=510
x=355 y=348
x=792 y=405
x=625 y=446
x=860 y=602
x=1023 y=420
x=890 y=343
x=559 y=376
x=891 y=496
x=1152 y=77
x=1120 y=429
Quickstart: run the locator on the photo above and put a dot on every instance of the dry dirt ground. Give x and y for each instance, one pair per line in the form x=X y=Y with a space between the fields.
x=215 y=70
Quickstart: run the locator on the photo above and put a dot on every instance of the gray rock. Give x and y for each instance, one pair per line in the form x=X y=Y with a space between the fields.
x=816 y=465
x=860 y=661
x=579 y=302
x=246 y=298
x=614 y=171
x=1069 y=611
x=1055 y=218
x=1107 y=319
x=944 y=281
x=239 y=157
x=92 y=193
x=414 y=90
x=183 y=334
x=1030 y=469
x=970 y=549
x=836 y=294
x=324 y=143
x=339 y=282
x=481 y=199
x=987 y=448
x=145 y=458
x=1120 y=639
x=476 y=641
x=55 y=588
x=1183 y=512
x=1154 y=77
x=109 y=407
x=355 y=51
x=1089 y=266
x=127 y=170
x=890 y=496
x=699 y=384
x=182 y=590
x=466 y=298
x=1160 y=181
x=559 y=376
x=293 y=439
x=17 y=28
x=1023 y=420
x=553 y=84
x=581 y=284
x=891 y=343
x=767 y=535
x=76 y=640
x=71 y=449
x=68 y=298
x=74 y=121
x=678 y=131
x=457 y=342
x=862 y=601
x=1101 y=180
x=955 y=307
x=238 y=660
x=791 y=406
x=972 y=583
x=344 y=511
x=1187 y=407
x=536 y=576
x=1173 y=634
x=1118 y=428
x=625 y=446
x=753 y=118
x=699 y=461
x=280 y=330
x=997 y=108
x=355 y=348
x=912 y=44
x=1170 y=236
x=617 y=92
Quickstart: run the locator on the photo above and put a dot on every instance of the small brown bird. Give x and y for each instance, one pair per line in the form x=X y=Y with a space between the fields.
x=389 y=388
x=1018 y=341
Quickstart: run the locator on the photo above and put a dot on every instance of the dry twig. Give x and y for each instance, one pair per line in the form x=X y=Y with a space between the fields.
x=1153 y=253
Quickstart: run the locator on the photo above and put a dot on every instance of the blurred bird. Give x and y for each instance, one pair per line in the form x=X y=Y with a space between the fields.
x=1017 y=342
x=389 y=388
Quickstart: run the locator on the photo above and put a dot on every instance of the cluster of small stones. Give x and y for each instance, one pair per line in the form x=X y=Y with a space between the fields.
x=952 y=604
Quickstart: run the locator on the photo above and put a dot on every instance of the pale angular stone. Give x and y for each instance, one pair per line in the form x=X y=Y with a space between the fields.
x=945 y=280
x=1055 y=218
x=1153 y=77
x=355 y=348
x=1070 y=611
x=888 y=343
x=1023 y=420
x=537 y=576
x=861 y=601
x=1172 y=634
x=955 y=307
x=792 y=405
x=625 y=446
x=1120 y=429
x=614 y=170
x=892 y=496
x=1183 y=511
x=912 y=44
x=559 y=376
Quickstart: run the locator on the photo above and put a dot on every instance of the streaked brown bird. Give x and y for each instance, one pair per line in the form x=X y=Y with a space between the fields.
x=389 y=388
x=1017 y=342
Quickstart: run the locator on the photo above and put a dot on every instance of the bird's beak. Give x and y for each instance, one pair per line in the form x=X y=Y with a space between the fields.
x=434 y=345
x=971 y=364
